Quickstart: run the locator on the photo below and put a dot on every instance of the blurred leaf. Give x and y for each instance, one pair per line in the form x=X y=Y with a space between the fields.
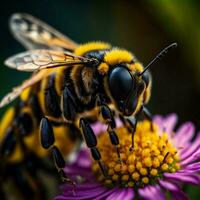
x=193 y=192
x=182 y=20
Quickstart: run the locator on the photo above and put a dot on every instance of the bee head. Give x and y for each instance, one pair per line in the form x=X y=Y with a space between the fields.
x=125 y=88
x=127 y=85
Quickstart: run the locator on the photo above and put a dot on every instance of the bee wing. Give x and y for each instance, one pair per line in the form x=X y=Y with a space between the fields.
x=16 y=91
x=34 y=60
x=35 y=34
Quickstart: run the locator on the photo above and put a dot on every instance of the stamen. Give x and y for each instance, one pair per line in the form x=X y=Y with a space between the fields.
x=153 y=155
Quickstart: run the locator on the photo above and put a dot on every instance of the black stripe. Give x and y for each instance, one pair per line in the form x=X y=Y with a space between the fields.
x=24 y=123
x=70 y=85
x=52 y=100
x=35 y=107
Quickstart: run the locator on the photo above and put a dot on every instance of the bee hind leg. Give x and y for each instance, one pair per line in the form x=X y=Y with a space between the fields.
x=47 y=141
x=8 y=143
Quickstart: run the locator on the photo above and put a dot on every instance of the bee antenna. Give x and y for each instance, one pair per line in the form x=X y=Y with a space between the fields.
x=159 y=56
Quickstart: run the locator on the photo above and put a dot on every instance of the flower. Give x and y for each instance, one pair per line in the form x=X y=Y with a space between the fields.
x=162 y=160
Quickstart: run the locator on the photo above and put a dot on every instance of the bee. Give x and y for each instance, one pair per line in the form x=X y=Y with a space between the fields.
x=71 y=85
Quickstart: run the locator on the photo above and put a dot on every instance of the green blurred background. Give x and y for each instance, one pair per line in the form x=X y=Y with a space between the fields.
x=143 y=27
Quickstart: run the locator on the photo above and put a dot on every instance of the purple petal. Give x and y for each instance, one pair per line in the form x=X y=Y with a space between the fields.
x=60 y=197
x=158 y=119
x=190 y=168
x=85 y=186
x=194 y=166
x=168 y=185
x=82 y=158
x=113 y=196
x=187 y=152
x=179 y=195
x=176 y=192
x=188 y=171
x=106 y=194
x=167 y=123
x=195 y=156
x=121 y=195
x=130 y=194
x=99 y=128
x=190 y=178
x=170 y=122
x=83 y=192
x=127 y=194
x=118 y=122
x=151 y=193
x=75 y=170
x=184 y=134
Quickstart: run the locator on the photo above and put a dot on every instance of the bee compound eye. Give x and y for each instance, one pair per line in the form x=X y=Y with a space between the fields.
x=120 y=83
x=146 y=77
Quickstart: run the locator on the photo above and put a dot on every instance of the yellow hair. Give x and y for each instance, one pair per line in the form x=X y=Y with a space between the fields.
x=136 y=67
x=84 y=48
x=25 y=94
x=117 y=56
x=147 y=93
x=103 y=68
x=6 y=121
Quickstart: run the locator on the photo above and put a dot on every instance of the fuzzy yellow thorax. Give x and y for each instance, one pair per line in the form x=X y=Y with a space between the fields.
x=91 y=46
x=136 y=67
x=116 y=56
x=153 y=155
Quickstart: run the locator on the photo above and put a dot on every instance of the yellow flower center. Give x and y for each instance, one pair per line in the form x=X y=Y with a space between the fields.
x=153 y=154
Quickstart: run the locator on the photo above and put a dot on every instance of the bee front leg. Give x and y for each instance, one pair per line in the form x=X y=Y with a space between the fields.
x=91 y=143
x=47 y=140
x=131 y=125
x=148 y=115
x=108 y=116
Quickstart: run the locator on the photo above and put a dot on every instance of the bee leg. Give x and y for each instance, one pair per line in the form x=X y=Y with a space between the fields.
x=131 y=124
x=108 y=116
x=21 y=127
x=9 y=143
x=91 y=142
x=148 y=115
x=110 y=121
x=132 y=121
x=30 y=172
x=22 y=182
x=47 y=141
x=44 y=164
